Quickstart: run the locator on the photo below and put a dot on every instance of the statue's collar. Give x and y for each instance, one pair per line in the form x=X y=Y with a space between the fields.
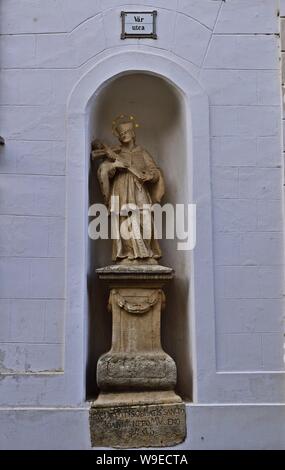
x=136 y=148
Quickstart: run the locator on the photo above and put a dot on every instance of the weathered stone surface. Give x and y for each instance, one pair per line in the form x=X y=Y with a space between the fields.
x=136 y=371
x=137 y=426
x=136 y=360
x=135 y=269
x=150 y=397
x=136 y=364
x=124 y=272
x=129 y=175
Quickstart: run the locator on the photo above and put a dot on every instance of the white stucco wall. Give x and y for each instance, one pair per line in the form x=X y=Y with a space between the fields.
x=230 y=50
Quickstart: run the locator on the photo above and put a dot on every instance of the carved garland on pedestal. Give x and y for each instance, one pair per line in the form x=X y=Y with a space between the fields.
x=136 y=307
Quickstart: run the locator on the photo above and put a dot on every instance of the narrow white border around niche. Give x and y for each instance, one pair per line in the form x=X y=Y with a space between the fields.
x=202 y=303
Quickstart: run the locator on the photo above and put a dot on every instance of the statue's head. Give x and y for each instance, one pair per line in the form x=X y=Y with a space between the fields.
x=124 y=128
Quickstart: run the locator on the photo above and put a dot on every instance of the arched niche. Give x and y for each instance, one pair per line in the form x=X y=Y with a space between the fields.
x=160 y=109
x=199 y=337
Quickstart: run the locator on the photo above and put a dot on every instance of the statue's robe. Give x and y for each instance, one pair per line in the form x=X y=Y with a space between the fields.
x=128 y=185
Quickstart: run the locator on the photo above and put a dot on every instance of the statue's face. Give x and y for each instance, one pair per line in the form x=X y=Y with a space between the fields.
x=126 y=132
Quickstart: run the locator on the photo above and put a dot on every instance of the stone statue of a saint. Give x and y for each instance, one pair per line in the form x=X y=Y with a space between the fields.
x=129 y=175
x=136 y=377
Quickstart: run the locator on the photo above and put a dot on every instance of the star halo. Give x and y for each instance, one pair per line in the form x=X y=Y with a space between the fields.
x=123 y=119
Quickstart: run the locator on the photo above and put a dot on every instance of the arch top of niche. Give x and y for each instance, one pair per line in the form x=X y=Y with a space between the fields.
x=102 y=69
x=107 y=65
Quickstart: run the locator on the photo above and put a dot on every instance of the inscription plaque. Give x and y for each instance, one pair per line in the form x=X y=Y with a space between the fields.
x=139 y=24
x=138 y=426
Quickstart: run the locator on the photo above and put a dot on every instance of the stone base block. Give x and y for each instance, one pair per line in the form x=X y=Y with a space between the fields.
x=134 y=426
x=140 y=371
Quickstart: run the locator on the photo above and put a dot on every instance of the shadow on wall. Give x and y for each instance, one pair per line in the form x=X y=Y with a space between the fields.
x=160 y=111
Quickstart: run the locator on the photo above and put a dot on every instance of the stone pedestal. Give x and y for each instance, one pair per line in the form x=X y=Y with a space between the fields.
x=137 y=405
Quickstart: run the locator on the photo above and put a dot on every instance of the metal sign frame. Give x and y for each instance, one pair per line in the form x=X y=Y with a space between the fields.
x=152 y=35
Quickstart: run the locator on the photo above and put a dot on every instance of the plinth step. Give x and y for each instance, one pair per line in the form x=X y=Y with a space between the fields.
x=133 y=426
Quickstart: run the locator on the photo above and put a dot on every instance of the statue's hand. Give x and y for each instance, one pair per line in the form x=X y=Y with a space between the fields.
x=118 y=164
x=110 y=153
x=151 y=175
x=145 y=176
x=97 y=145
